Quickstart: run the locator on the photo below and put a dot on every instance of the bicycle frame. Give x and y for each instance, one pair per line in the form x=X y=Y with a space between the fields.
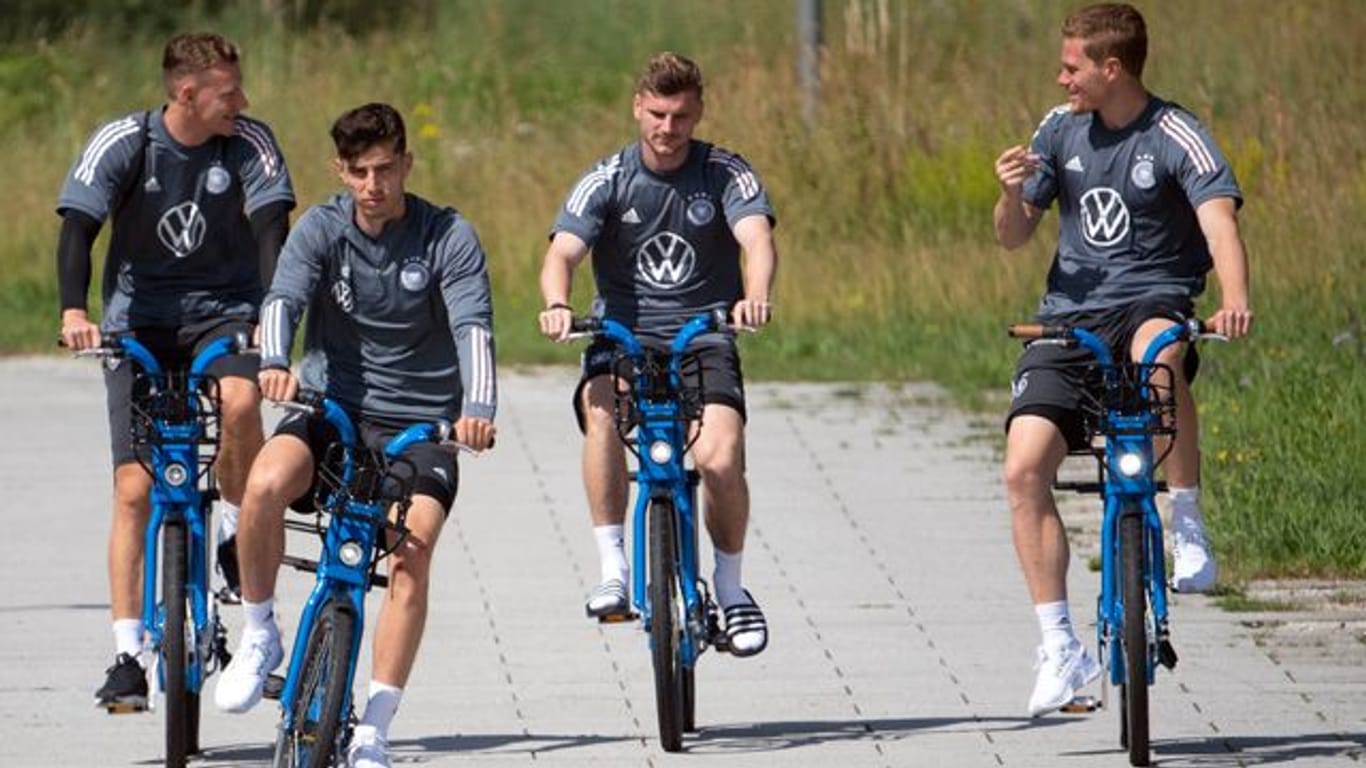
x=1133 y=570
x=1128 y=483
x=351 y=541
x=177 y=474
x=660 y=444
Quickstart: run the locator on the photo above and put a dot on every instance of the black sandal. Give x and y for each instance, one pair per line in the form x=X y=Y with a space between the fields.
x=746 y=619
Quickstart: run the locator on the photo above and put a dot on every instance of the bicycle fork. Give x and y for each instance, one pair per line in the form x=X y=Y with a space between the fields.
x=1111 y=605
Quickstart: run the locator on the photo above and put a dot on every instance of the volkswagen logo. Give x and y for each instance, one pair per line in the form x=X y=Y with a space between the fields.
x=1104 y=217
x=666 y=261
x=181 y=229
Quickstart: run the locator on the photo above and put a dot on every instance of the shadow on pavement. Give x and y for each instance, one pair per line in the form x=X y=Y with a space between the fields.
x=1251 y=750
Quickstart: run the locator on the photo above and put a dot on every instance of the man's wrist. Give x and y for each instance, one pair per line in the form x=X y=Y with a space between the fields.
x=558 y=305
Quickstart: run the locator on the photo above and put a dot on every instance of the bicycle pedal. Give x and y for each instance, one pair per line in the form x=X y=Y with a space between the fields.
x=274 y=687
x=618 y=618
x=1081 y=705
x=124 y=706
x=226 y=596
x=1166 y=654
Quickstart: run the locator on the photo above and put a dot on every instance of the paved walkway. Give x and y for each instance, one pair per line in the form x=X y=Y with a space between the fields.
x=880 y=549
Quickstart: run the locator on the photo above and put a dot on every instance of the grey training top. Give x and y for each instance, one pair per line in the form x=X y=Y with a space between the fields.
x=1126 y=202
x=182 y=249
x=400 y=328
x=663 y=247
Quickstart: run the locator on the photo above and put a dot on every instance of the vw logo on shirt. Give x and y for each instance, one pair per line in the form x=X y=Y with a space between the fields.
x=181 y=229
x=1104 y=217
x=666 y=261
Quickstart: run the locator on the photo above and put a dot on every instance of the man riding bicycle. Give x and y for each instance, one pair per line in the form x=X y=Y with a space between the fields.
x=666 y=219
x=200 y=199
x=400 y=330
x=1147 y=206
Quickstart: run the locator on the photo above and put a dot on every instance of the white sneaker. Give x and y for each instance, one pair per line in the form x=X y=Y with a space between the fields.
x=1193 y=566
x=1061 y=674
x=242 y=682
x=368 y=749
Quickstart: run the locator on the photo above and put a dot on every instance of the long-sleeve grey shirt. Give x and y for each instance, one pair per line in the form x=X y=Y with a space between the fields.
x=400 y=327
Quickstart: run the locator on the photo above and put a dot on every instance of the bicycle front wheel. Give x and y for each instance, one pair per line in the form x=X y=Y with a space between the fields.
x=174 y=648
x=666 y=601
x=1134 y=718
x=314 y=736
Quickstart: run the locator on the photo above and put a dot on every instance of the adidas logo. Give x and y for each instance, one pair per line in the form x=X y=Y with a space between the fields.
x=630 y=217
x=1075 y=165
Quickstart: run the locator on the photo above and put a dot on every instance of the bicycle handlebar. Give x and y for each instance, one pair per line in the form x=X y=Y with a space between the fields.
x=1193 y=329
x=126 y=346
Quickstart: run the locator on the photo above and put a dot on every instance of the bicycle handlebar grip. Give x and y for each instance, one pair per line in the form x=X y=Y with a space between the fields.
x=585 y=325
x=1029 y=331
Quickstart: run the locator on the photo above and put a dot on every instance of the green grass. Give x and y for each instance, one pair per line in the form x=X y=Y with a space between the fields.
x=889 y=270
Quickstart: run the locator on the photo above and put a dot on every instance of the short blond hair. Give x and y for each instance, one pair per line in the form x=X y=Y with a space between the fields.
x=1111 y=30
x=194 y=52
x=669 y=74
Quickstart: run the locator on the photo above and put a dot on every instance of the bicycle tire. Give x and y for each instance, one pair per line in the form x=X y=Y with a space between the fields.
x=313 y=740
x=689 y=701
x=174 y=659
x=665 y=597
x=1134 y=715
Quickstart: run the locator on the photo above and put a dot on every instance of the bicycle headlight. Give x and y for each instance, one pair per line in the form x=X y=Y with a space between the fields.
x=175 y=475
x=661 y=452
x=350 y=553
x=1130 y=464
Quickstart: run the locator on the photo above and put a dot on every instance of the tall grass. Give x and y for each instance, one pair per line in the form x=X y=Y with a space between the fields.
x=889 y=270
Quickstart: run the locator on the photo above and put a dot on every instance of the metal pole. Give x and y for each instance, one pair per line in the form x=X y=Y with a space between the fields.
x=809 y=57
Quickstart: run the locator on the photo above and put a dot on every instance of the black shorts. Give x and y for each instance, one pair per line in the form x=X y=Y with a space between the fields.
x=173 y=348
x=434 y=469
x=1054 y=382
x=721 y=380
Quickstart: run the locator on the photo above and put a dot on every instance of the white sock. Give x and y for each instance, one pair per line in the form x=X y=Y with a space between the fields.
x=227 y=520
x=259 y=617
x=1185 y=505
x=128 y=637
x=612 y=551
x=1055 y=621
x=381 y=706
x=726 y=579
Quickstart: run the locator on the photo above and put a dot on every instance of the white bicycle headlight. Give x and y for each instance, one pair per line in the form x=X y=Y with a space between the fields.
x=661 y=452
x=1130 y=464
x=175 y=475
x=350 y=553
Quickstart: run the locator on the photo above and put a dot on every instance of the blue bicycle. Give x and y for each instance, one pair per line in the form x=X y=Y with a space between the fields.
x=658 y=399
x=175 y=425
x=1135 y=406
x=356 y=490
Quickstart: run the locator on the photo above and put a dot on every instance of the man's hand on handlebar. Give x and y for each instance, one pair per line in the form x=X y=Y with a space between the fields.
x=1232 y=322
x=78 y=332
x=475 y=433
x=278 y=385
x=751 y=313
x=555 y=321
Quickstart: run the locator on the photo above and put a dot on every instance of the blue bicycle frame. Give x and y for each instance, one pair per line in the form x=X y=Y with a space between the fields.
x=1132 y=412
x=1129 y=446
x=177 y=496
x=660 y=419
x=173 y=423
x=345 y=569
x=662 y=424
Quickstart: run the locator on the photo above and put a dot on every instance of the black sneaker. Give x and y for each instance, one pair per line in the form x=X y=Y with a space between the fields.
x=125 y=687
x=227 y=567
